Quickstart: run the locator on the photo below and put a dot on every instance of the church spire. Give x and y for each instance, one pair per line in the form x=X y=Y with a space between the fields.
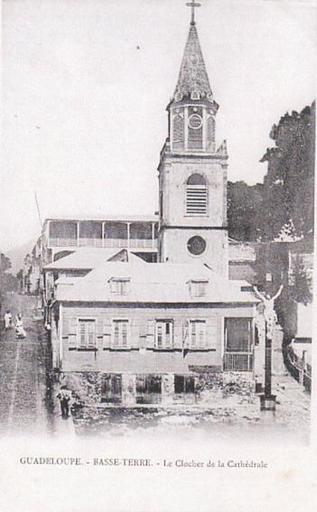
x=193 y=82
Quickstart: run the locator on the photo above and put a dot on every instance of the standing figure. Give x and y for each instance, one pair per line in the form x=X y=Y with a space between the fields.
x=19 y=329
x=64 y=397
x=269 y=313
x=7 y=320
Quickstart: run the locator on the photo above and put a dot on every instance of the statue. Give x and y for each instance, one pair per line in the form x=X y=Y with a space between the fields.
x=268 y=309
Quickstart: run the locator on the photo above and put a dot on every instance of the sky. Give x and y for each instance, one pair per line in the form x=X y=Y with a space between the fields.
x=85 y=85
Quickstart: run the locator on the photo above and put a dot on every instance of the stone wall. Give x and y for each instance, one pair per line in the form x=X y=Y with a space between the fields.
x=216 y=389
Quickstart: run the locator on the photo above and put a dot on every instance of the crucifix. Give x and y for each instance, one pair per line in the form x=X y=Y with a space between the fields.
x=193 y=4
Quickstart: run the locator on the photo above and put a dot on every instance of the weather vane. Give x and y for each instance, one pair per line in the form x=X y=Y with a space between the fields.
x=193 y=4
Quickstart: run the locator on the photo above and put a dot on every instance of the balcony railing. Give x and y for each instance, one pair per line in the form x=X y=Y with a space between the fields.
x=90 y=242
x=239 y=362
x=137 y=243
x=62 y=242
x=122 y=243
x=112 y=243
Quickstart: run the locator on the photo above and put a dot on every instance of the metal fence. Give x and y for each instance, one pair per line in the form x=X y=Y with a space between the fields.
x=238 y=362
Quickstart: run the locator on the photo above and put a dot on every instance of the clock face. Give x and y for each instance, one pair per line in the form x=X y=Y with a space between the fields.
x=195 y=121
x=196 y=245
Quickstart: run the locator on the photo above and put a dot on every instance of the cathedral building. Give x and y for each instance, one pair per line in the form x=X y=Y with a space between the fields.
x=147 y=331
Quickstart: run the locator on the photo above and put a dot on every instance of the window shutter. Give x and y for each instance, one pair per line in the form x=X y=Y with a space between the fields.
x=210 y=133
x=107 y=329
x=142 y=334
x=72 y=325
x=178 y=131
x=65 y=325
x=91 y=334
x=201 y=334
x=133 y=333
x=72 y=332
x=213 y=334
x=186 y=334
x=150 y=335
x=72 y=341
x=99 y=327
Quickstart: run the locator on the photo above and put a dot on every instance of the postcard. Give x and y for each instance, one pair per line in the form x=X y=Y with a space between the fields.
x=157 y=256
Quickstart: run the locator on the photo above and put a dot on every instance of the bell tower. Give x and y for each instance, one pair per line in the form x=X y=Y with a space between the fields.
x=193 y=170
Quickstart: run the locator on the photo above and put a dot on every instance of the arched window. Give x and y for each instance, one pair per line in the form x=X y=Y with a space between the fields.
x=210 y=133
x=196 y=195
x=195 y=128
x=178 y=131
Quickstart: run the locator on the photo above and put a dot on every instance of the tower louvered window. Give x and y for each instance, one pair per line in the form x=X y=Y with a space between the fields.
x=210 y=133
x=196 y=195
x=178 y=131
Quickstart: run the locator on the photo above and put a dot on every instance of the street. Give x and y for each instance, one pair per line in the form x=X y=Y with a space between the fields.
x=25 y=401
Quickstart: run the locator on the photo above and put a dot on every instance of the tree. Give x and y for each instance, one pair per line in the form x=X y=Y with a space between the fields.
x=289 y=182
x=5 y=263
x=301 y=283
x=8 y=282
x=245 y=211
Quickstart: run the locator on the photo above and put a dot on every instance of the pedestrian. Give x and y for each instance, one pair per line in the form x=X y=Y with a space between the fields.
x=7 y=320
x=64 y=397
x=19 y=329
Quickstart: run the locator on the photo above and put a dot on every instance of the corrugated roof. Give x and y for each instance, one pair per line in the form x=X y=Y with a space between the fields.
x=105 y=218
x=154 y=283
x=84 y=258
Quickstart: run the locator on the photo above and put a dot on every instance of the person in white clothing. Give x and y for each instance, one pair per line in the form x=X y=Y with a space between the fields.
x=19 y=329
x=7 y=320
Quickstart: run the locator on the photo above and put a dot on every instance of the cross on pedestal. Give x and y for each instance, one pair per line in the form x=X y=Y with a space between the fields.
x=193 y=4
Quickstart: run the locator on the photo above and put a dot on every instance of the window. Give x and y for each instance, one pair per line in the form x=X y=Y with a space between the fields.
x=198 y=288
x=195 y=128
x=196 y=245
x=196 y=195
x=119 y=286
x=63 y=229
x=184 y=384
x=86 y=334
x=90 y=229
x=148 y=389
x=211 y=133
x=120 y=333
x=178 y=131
x=197 y=333
x=111 y=388
x=116 y=230
x=164 y=334
x=238 y=344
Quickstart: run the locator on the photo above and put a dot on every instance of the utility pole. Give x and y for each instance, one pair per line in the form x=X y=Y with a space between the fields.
x=38 y=209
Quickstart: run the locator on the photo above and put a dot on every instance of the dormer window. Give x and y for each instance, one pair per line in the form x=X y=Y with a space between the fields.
x=198 y=288
x=119 y=285
x=195 y=95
